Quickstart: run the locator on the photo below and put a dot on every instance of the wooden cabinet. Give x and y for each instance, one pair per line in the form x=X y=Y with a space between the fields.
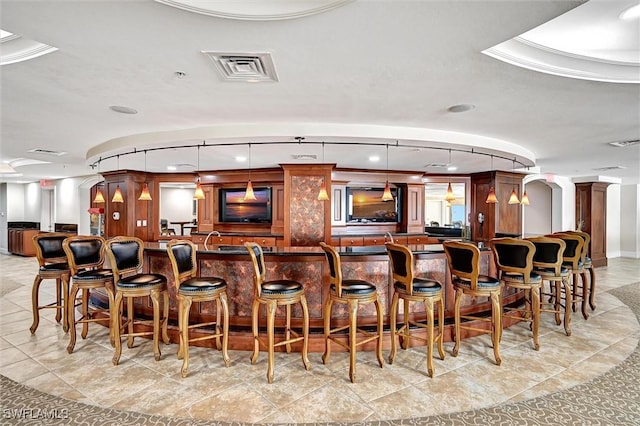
x=377 y=240
x=207 y=209
x=265 y=241
x=591 y=216
x=20 y=241
x=351 y=241
x=421 y=239
x=240 y=240
x=415 y=208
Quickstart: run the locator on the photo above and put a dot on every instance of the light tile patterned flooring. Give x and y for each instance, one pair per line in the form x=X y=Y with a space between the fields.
x=324 y=394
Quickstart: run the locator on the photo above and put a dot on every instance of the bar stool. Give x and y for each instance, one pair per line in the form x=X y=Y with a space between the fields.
x=572 y=260
x=273 y=294
x=514 y=260
x=86 y=257
x=464 y=266
x=410 y=288
x=588 y=265
x=352 y=293
x=53 y=265
x=192 y=288
x=547 y=262
x=125 y=254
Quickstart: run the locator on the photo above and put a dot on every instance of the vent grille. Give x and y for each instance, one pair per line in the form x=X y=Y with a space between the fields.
x=244 y=67
x=607 y=168
x=437 y=165
x=47 y=152
x=304 y=156
x=623 y=144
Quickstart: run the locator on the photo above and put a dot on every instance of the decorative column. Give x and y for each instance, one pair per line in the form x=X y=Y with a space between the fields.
x=591 y=217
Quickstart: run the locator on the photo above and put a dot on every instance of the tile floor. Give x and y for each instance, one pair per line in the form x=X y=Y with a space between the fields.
x=324 y=394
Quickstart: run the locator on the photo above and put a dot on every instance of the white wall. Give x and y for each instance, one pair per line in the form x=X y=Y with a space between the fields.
x=613 y=220
x=538 y=215
x=15 y=202
x=629 y=222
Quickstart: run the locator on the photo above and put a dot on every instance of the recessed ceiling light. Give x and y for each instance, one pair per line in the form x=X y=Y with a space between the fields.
x=241 y=158
x=374 y=158
x=172 y=168
x=123 y=109
x=631 y=13
x=452 y=168
x=461 y=108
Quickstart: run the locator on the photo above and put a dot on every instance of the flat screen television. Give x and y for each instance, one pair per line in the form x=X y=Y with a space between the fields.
x=234 y=208
x=366 y=205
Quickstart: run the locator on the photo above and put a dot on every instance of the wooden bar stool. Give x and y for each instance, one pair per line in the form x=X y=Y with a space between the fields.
x=514 y=260
x=273 y=294
x=547 y=262
x=192 y=288
x=588 y=266
x=464 y=266
x=352 y=293
x=86 y=257
x=572 y=260
x=125 y=254
x=410 y=288
x=53 y=265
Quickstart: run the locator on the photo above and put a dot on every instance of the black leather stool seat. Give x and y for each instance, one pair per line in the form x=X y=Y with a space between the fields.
x=202 y=285
x=534 y=278
x=421 y=285
x=570 y=264
x=52 y=267
x=483 y=282
x=355 y=287
x=141 y=280
x=281 y=287
x=93 y=274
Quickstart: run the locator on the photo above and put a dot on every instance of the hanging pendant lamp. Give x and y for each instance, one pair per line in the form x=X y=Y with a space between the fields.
x=449 y=197
x=99 y=198
x=513 y=199
x=525 y=199
x=117 y=196
x=322 y=194
x=386 y=195
x=198 y=194
x=491 y=197
x=248 y=193
x=145 y=195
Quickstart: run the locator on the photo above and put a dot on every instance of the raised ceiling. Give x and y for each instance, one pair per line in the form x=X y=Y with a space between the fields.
x=363 y=72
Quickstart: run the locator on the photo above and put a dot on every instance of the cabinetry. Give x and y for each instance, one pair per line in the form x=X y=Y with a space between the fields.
x=591 y=213
x=20 y=241
x=501 y=218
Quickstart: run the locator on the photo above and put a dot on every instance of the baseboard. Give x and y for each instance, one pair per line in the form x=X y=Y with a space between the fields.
x=630 y=254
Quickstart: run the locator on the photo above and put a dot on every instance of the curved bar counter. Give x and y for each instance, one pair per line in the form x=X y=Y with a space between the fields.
x=308 y=266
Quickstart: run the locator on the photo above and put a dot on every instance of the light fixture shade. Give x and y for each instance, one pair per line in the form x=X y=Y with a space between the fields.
x=491 y=198
x=198 y=194
x=525 y=199
x=323 y=195
x=145 y=195
x=117 y=196
x=513 y=199
x=248 y=193
x=449 y=197
x=386 y=195
x=99 y=198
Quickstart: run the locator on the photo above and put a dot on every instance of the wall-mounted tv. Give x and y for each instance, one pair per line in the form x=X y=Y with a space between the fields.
x=366 y=205
x=234 y=208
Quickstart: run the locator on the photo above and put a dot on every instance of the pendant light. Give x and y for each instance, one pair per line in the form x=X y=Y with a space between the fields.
x=513 y=199
x=386 y=195
x=323 y=195
x=248 y=193
x=449 y=197
x=99 y=198
x=117 y=196
x=525 y=199
x=145 y=195
x=198 y=193
x=491 y=198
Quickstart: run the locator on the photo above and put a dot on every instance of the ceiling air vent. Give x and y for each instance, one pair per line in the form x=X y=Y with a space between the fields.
x=623 y=144
x=607 y=168
x=244 y=67
x=437 y=165
x=304 y=156
x=47 y=152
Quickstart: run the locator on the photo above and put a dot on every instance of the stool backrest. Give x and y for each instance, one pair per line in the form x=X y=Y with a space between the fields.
x=259 y=270
x=573 y=251
x=335 y=268
x=125 y=255
x=514 y=255
x=401 y=261
x=549 y=253
x=182 y=254
x=463 y=260
x=587 y=241
x=84 y=252
x=48 y=247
